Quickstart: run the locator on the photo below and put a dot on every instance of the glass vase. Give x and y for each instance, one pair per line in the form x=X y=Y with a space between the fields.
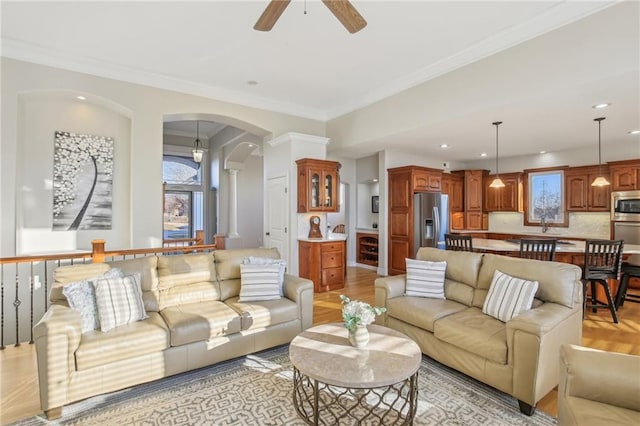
x=359 y=337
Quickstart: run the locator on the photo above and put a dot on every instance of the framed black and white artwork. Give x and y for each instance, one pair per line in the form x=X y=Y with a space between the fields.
x=375 y=204
x=82 y=182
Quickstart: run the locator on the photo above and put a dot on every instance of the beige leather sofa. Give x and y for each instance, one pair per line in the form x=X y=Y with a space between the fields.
x=598 y=387
x=194 y=320
x=519 y=357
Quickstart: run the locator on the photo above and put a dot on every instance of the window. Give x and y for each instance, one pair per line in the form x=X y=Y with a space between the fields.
x=545 y=198
x=183 y=196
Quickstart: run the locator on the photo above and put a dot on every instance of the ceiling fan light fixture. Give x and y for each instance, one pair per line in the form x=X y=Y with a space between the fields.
x=600 y=180
x=197 y=151
x=348 y=16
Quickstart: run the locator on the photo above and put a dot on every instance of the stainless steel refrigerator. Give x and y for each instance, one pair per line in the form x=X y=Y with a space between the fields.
x=431 y=219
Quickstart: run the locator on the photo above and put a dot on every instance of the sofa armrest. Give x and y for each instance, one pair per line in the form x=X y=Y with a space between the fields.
x=540 y=320
x=300 y=290
x=533 y=345
x=387 y=288
x=607 y=377
x=57 y=336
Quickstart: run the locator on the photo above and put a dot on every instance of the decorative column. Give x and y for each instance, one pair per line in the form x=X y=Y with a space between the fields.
x=233 y=203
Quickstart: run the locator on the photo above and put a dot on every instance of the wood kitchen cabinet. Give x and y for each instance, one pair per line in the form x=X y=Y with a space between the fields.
x=468 y=186
x=318 y=185
x=323 y=262
x=625 y=175
x=453 y=186
x=367 y=248
x=507 y=199
x=403 y=183
x=580 y=195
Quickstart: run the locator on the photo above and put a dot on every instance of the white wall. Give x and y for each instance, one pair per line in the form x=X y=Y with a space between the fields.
x=42 y=115
x=250 y=205
x=147 y=107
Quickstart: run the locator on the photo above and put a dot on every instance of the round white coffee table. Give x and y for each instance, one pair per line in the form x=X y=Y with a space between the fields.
x=336 y=383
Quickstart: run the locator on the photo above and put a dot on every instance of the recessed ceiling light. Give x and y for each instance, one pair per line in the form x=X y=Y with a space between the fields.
x=444 y=146
x=484 y=154
x=602 y=105
x=252 y=83
x=375 y=180
x=82 y=98
x=543 y=152
x=250 y=145
x=634 y=132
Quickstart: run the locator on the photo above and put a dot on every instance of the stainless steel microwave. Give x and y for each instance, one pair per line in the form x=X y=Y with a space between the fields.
x=625 y=206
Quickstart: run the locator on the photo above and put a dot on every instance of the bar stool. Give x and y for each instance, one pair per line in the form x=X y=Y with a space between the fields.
x=630 y=268
x=602 y=261
x=539 y=249
x=458 y=242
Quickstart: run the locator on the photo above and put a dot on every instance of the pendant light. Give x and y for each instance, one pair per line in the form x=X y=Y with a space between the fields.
x=497 y=182
x=600 y=180
x=197 y=151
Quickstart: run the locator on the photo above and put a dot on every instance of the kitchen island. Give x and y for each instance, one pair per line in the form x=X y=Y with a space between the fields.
x=568 y=247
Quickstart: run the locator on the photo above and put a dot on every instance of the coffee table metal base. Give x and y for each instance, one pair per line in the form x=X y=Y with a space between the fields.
x=318 y=403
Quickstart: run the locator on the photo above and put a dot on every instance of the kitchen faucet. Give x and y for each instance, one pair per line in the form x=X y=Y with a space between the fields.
x=544 y=224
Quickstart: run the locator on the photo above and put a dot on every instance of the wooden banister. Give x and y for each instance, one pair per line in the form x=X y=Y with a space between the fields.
x=97 y=252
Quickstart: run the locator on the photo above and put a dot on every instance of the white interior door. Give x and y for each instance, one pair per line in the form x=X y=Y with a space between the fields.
x=277 y=207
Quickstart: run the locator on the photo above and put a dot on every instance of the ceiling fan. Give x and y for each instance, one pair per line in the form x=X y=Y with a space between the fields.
x=342 y=9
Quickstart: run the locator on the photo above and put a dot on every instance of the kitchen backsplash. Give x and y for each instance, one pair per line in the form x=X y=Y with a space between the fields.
x=581 y=225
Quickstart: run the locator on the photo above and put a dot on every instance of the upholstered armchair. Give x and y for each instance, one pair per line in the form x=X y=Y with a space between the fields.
x=598 y=387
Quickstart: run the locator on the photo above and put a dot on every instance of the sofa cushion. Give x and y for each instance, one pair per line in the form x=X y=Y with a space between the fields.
x=130 y=340
x=508 y=296
x=462 y=266
x=119 y=301
x=556 y=280
x=194 y=322
x=185 y=269
x=263 y=314
x=458 y=292
x=228 y=261
x=421 y=311
x=74 y=273
x=425 y=278
x=259 y=282
x=147 y=267
x=474 y=332
x=186 y=279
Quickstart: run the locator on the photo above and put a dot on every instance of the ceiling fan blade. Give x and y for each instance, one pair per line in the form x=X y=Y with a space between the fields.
x=271 y=14
x=346 y=14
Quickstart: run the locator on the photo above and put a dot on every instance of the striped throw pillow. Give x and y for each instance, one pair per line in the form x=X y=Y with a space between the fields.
x=254 y=260
x=119 y=301
x=259 y=282
x=508 y=296
x=425 y=279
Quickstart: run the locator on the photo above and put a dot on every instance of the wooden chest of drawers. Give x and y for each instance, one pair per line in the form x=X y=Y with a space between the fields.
x=324 y=263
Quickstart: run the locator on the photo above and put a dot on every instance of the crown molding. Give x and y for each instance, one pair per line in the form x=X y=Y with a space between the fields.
x=28 y=52
x=298 y=137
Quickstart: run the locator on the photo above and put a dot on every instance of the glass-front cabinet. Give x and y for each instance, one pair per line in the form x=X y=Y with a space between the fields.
x=318 y=183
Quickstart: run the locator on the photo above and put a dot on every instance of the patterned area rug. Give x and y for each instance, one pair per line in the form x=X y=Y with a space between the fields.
x=257 y=390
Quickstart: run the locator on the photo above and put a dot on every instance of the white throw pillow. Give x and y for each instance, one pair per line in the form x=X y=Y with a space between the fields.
x=259 y=282
x=425 y=279
x=508 y=296
x=119 y=301
x=81 y=297
x=254 y=260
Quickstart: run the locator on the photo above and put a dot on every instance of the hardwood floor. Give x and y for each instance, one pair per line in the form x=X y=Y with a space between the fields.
x=18 y=370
